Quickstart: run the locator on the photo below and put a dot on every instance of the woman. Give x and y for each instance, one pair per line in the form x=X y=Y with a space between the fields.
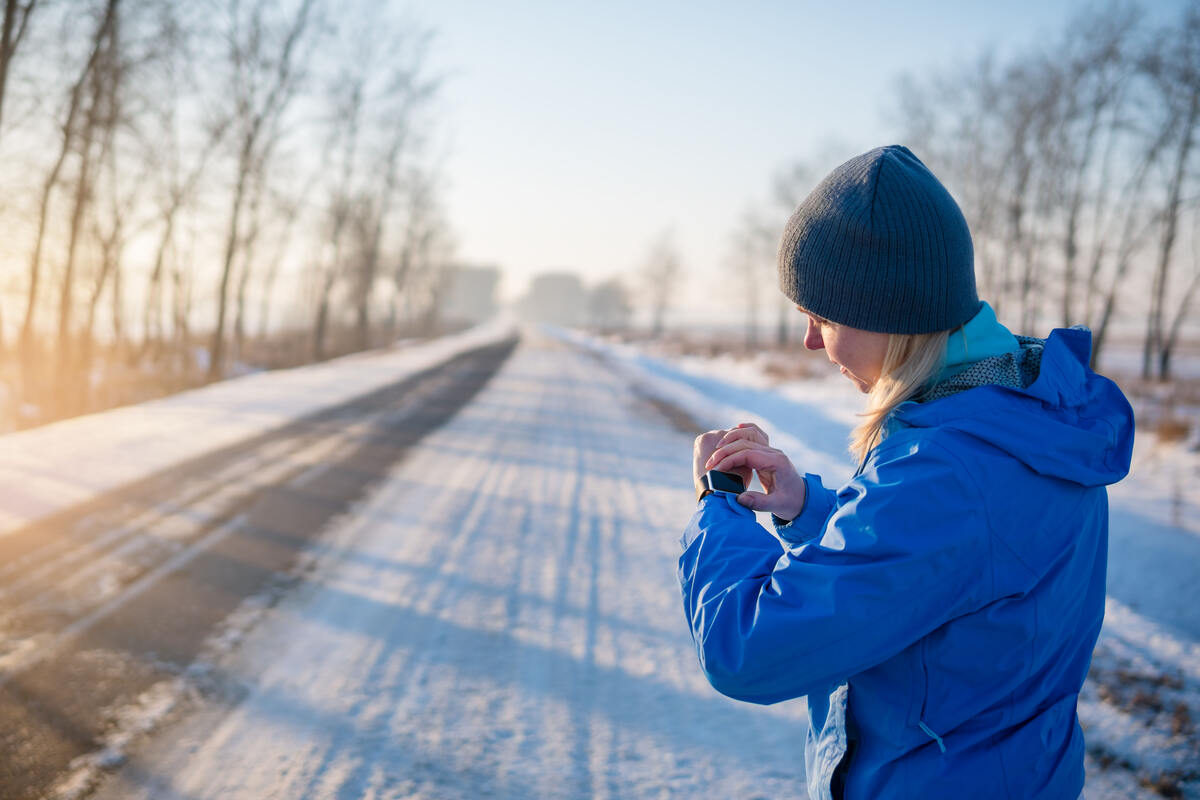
x=939 y=610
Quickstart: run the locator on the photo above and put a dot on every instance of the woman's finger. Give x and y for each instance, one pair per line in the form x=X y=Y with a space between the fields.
x=752 y=458
x=745 y=473
x=753 y=500
x=707 y=442
x=734 y=447
x=753 y=426
x=745 y=431
x=730 y=447
x=775 y=502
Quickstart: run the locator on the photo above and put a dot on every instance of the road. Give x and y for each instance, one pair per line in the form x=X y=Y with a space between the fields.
x=461 y=587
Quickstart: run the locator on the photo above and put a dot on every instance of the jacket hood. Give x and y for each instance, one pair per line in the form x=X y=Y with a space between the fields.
x=1068 y=423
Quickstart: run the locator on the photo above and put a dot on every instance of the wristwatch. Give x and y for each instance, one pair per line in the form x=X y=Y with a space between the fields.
x=717 y=481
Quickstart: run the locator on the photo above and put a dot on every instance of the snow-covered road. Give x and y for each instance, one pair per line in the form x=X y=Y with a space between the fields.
x=499 y=618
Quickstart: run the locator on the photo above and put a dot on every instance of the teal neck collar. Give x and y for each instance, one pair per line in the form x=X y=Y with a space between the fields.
x=981 y=337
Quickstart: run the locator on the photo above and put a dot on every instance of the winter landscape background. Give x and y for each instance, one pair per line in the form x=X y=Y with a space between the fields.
x=351 y=356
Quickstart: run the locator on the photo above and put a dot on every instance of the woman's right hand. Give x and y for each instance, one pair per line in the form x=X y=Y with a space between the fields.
x=747 y=447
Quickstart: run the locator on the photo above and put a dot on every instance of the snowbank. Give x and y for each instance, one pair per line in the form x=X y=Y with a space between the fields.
x=48 y=469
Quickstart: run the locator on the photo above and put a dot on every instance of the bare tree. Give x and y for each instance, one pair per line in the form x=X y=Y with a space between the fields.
x=255 y=214
x=1183 y=308
x=75 y=104
x=424 y=236
x=374 y=100
x=347 y=98
x=265 y=81
x=99 y=124
x=1174 y=70
x=290 y=207
x=146 y=119
x=179 y=165
x=421 y=269
x=751 y=264
x=1088 y=105
x=340 y=210
x=658 y=277
x=112 y=206
x=1056 y=156
x=12 y=32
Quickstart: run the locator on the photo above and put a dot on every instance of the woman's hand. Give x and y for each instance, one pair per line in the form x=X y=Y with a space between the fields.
x=706 y=443
x=745 y=449
x=703 y=447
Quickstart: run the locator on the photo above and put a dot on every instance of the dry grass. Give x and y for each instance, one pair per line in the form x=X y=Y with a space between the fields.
x=1166 y=785
x=1172 y=429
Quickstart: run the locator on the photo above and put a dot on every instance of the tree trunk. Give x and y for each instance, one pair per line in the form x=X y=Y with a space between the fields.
x=1154 y=341
x=10 y=37
x=239 y=322
x=1185 y=303
x=11 y=9
x=118 y=302
x=1071 y=240
x=83 y=198
x=35 y=260
x=216 y=352
x=152 y=313
x=318 y=341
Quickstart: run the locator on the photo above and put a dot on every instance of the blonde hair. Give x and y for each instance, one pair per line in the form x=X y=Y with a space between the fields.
x=910 y=364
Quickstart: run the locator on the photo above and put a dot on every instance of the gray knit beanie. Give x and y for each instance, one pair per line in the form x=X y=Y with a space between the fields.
x=880 y=245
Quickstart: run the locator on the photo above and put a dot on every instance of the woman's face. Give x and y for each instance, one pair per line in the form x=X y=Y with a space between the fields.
x=858 y=353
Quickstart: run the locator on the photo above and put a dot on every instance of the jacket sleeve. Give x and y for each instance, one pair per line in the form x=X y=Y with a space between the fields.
x=905 y=548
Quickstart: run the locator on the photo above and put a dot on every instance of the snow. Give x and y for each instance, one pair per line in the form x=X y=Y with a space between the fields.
x=47 y=469
x=1147 y=661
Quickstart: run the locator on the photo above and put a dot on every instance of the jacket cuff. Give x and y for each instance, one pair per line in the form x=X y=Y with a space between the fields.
x=810 y=522
x=713 y=504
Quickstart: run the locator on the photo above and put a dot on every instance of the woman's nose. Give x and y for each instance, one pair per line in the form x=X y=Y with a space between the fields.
x=812 y=337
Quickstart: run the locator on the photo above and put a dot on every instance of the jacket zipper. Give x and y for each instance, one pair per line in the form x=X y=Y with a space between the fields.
x=924 y=701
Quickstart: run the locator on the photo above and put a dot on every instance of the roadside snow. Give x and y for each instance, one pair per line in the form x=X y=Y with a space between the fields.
x=50 y=468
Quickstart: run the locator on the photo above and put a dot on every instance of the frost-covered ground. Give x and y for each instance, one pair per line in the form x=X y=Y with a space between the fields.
x=1141 y=707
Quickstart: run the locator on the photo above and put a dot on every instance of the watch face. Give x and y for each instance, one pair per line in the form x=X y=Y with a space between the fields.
x=725 y=482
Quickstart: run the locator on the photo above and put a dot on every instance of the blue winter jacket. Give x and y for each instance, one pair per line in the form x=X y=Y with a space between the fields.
x=940 y=609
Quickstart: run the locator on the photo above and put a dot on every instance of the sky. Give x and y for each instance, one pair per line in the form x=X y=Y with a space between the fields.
x=577 y=132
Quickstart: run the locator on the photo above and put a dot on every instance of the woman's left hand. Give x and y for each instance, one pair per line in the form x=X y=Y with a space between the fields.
x=745 y=450
x=707 y=443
